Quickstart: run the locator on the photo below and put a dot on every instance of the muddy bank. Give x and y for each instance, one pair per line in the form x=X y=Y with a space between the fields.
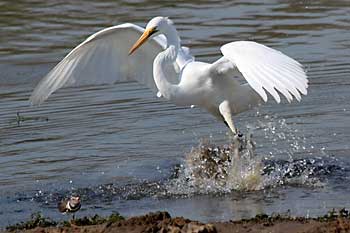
x=163 y=222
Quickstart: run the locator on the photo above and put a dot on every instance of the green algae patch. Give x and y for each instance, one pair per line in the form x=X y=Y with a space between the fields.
x=95 y=220
x=333 y=215
x=36 y=220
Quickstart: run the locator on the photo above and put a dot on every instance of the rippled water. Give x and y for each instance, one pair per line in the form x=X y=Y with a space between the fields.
x=119 y=146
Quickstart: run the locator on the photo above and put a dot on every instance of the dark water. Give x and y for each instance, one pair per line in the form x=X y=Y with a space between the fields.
x=117 y=146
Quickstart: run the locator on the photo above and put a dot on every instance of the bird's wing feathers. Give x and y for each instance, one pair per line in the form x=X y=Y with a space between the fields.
x=264 y=69
x=103 y=58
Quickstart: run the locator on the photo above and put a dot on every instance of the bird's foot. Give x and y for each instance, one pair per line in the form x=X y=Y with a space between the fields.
x=72 y=222
x=237 y=135
x=239 y=140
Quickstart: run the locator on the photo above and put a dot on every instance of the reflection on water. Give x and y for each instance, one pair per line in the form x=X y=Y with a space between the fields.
x=118 y=145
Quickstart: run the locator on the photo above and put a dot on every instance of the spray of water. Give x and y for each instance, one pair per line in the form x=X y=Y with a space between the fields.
x=212 y=169
x=209 y=168
x=236 y=166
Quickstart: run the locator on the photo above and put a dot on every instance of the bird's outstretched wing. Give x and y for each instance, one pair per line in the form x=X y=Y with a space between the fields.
x=264 y=69
x=103 y=58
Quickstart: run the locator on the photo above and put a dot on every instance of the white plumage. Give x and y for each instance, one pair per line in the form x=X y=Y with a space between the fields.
x=103 y=59
x=267 y=68
x=169 y=69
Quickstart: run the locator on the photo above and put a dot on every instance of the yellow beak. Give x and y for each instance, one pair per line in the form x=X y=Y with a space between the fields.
x=146 y=34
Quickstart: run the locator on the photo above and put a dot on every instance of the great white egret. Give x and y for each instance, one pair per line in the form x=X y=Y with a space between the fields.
x=104 y=57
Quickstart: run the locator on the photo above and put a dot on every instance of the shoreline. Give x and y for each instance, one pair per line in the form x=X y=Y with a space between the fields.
x=334 y=221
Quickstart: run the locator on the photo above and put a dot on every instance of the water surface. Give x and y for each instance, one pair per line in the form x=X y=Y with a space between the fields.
x=117 y=146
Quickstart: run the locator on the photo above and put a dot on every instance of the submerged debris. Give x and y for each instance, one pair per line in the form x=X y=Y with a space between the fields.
x=19 y=118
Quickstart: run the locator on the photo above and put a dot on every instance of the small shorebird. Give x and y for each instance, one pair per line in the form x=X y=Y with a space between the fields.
x=71 y=205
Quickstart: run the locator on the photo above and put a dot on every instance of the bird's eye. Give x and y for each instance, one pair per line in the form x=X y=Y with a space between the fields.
x=155 y=30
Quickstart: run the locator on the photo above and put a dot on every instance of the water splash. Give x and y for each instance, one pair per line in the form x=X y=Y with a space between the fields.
x=236 y=166
x=212 y=169
x=286 y=140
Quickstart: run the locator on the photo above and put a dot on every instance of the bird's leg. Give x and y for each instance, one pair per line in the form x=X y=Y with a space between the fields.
x=226 y=113
x=72 y=221
x=236 y=136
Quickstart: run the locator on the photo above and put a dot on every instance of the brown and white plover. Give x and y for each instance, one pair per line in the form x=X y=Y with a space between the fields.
x=71 y=205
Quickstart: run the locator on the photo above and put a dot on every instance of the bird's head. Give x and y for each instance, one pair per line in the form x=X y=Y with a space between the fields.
x=74 y=200
x=157 y=25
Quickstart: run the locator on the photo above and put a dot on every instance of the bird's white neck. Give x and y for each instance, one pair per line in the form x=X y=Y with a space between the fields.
x=164 y=60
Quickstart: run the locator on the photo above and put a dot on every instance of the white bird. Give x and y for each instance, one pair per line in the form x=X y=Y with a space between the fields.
x=105 y=57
